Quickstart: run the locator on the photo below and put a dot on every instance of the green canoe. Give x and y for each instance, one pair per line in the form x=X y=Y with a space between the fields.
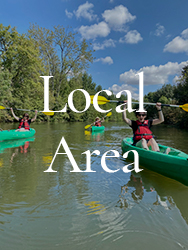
x=97 y=129
x=174 y=165
x=13 y=134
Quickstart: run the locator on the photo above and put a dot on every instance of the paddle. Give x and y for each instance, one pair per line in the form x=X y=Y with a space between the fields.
x=102 y=100
x=88 y=126
x=46 y=113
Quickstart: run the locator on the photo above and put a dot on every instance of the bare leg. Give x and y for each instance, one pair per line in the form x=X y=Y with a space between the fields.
x=152 y=142
x=142 y=144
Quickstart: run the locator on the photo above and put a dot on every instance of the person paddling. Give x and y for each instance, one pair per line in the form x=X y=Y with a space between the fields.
x=142 y=135
x=98 y=121
x=25 y=121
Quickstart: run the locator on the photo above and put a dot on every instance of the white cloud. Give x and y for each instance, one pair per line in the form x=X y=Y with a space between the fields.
x=133 y=36
x=91 y=32
x=106 y=44
x=178 y=44
x=85 y=11
x=160 y=30
x=185 y=34
x=176 y=78
x=153 y=75
x=118 y=17
x=68 y=14
x=106 y=60
x=111 y=1
x=168 y=36
x=116 y=88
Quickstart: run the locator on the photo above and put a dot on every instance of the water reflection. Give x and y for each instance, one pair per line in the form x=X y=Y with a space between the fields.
x=22 y=143
x=95 y=207
x=97 y=136
x=47 y=159
x=134 y=190
x=169 y=192
x=87 y=135
x=81 y=211
x=166 y=202
x=94 y=136
x=22 y=149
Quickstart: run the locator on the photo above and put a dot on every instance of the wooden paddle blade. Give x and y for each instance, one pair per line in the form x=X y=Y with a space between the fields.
x=100 y=100
x=87 y=126
x=1 y=107
x=48 y=113
x=184 y=107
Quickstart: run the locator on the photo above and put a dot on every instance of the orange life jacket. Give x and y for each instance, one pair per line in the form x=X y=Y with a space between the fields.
x=142 y=131
x=25 y=123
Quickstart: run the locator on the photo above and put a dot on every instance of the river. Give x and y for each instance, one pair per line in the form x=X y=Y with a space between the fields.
x=81 y=211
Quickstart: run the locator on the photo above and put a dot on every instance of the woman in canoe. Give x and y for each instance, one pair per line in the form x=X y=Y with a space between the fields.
x=142 y=135
x=98 y=121
x=25 y=121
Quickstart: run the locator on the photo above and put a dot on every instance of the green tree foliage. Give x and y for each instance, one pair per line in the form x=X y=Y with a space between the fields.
x=5 y=92
x=181 y=91
x=24 y=58
x=19 y=59
x=171 y=94
x=181 y=95
x=63 y=57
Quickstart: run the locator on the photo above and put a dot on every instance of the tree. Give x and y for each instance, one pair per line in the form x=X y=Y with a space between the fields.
x=19 y=59
x=88 y=84
x=181 y=91
x=5 y=91
x=181 y=95
x=62 y=55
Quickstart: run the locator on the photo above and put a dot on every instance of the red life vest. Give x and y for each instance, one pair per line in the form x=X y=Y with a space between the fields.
x=98 y=123
x=25 y=123
x=142 y=131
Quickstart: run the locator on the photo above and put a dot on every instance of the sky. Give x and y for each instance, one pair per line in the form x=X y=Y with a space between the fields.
x=128 y=36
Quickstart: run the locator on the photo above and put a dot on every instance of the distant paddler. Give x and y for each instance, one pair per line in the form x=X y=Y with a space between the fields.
x=25 y=121
x=98 y=122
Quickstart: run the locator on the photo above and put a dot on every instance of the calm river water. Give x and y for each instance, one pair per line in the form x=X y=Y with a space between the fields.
x=65 y=210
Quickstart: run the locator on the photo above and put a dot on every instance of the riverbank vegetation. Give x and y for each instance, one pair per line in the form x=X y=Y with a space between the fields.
x=39 y=52
x=172 y=94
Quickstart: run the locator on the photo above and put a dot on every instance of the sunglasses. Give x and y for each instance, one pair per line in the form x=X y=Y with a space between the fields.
x=142 y=115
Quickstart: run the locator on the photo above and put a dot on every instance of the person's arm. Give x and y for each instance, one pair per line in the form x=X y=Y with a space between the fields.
x=124 y=116
x=160 y=113
x=17 y=118
x=35 y=117
x=102 y=119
